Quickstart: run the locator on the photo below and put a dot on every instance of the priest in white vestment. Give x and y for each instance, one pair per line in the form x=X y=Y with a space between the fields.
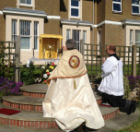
x=70 y=99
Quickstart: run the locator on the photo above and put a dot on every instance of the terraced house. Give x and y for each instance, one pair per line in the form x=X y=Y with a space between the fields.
x=93 y=21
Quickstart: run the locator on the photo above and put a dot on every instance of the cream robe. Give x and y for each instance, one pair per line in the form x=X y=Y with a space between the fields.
x=70 y=101
x=63 y=69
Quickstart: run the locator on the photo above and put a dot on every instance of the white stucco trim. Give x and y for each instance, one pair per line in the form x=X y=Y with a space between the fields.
x=132 y=23
x=54 y=17
x=1 y=13
x=93 y=25
x=24 y=13
x=76 y=23
x=107 y=22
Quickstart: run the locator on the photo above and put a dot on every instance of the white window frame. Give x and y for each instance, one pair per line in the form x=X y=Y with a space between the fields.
x=119 y=3
x=74 y=7
x=136 y=5
x=131 y=29
x=26 y=5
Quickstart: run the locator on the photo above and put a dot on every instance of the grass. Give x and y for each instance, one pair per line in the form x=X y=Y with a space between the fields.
x=135 y=127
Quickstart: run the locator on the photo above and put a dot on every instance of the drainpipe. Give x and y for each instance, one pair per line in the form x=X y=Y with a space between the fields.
x=93 y=21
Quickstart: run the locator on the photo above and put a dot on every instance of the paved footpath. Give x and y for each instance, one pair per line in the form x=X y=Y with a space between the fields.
x=120 y=121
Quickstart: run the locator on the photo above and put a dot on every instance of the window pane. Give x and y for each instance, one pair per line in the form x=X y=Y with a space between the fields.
x=25 y=43
x=116 y=7
x=75 y=2
x=14 y=24
x=35 y=42
x=138 y=37
x=22 y=1
x=117 y=0
x=35 y=35
x=131 y=37
x=24 y=28
x=135 y=1
x=74 y=12
x=28 y=1
x=67 y=34
x=25 y=1
x=76 y=37
x=84 y=36
x=25 y=34
x=35 y=28
x=135 y=9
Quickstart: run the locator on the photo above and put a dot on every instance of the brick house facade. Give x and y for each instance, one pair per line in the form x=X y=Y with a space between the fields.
x=118 y=22
x=93 y=21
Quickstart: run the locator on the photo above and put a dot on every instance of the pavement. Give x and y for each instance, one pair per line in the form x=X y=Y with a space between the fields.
x=122 y=120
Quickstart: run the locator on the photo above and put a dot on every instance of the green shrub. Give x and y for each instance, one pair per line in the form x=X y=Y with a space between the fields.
x=29 y=74
x=36 y=73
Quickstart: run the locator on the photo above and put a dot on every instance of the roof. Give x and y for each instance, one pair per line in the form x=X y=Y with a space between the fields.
x=27 y=12
x=51 y=36
x=131 y=22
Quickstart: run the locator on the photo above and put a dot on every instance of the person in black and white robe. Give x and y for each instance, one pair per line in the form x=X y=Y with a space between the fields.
x=112 y=87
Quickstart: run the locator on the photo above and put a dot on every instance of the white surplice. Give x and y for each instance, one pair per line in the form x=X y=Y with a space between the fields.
x=71 y=101
x=112 y=77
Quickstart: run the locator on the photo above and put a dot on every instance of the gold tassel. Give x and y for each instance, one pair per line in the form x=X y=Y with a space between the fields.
x=74 y=84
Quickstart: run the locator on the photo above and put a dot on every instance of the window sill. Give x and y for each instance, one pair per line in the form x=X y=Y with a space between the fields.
x=117 y=12
x=25 y=5
x=135 y=14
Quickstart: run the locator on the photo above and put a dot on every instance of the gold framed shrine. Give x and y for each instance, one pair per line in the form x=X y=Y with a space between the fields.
x=49 y=45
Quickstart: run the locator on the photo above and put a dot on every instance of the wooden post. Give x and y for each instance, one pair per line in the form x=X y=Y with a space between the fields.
x=134 y=60
x=17 y=61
